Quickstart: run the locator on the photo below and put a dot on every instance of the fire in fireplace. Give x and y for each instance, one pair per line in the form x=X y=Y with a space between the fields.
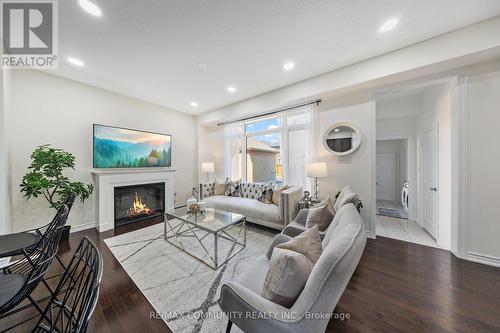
x=138 y=208
x=139 y=202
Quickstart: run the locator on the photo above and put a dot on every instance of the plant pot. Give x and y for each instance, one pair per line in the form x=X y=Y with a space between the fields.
x=65 y=233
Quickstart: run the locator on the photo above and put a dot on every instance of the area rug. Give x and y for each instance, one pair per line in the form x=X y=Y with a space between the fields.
x=182 y=290
x=391 y=213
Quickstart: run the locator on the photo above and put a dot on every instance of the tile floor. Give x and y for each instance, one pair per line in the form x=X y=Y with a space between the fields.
x=402 y=229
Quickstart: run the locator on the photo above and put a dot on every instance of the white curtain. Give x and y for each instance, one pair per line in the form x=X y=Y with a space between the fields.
x=299 y=145
x=233 y=158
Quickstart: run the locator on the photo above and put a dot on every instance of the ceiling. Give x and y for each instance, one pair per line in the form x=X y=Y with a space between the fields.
x=150 y=49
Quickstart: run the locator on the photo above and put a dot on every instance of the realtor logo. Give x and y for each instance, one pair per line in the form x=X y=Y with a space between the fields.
x=29 y=33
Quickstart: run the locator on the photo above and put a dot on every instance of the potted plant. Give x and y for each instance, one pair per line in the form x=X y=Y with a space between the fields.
x=45 y=178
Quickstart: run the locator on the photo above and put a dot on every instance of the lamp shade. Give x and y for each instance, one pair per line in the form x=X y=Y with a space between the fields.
x=316 y=169
x=207 y=167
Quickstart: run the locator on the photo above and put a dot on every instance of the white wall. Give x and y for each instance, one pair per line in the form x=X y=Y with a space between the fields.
x=211 y=145
x=484 y=166
x=436 y=112
x=50 y=110
x=4 y=200
x=355 y=169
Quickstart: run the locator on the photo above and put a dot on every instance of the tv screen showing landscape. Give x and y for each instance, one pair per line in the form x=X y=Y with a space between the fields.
x=116 y=147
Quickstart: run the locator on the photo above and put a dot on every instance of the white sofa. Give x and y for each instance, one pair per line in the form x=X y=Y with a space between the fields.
x=269 y=215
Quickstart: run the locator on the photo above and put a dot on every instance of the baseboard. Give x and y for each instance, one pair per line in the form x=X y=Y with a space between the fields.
x=180 y=204
x=80 y=227
x=483 y=259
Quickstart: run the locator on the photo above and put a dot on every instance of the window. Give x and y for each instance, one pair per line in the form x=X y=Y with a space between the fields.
x=271 y=150
x=264 y=162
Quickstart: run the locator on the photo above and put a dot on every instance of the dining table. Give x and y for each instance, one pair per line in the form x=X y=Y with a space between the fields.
x=14 y=244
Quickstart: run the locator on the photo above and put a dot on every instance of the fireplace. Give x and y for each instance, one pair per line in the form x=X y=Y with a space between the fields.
x=136 y=203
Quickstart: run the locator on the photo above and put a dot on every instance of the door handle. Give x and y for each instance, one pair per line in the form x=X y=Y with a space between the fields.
x=433 y=189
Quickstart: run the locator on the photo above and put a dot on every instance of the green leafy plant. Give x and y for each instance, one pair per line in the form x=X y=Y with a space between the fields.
x=46 y=177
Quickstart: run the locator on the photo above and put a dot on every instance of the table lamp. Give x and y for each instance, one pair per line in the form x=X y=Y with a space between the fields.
x=208 y=167
x=316 y=170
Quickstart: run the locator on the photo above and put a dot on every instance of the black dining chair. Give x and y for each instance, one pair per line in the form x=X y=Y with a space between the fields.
x=76 y=295
x=22 y=276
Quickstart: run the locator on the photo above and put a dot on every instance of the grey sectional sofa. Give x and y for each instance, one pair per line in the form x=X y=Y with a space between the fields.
x=270 y=215
x=343 y=246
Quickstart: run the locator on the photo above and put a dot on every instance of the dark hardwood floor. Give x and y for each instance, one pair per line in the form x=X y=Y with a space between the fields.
x=397 y=287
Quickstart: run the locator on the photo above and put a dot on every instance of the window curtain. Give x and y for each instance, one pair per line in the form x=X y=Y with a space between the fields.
x=233 y=158
x=300 y=145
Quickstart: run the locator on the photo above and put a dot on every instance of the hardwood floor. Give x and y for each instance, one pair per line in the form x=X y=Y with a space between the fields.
x=397 y=287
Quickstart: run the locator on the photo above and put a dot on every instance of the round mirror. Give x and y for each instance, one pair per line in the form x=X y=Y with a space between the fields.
x=342 y=139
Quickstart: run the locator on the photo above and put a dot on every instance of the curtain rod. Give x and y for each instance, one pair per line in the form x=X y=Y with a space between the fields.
x=286 y=108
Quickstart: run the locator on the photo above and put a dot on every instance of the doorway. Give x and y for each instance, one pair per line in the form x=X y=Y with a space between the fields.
x=393 y=186
x=392 y=177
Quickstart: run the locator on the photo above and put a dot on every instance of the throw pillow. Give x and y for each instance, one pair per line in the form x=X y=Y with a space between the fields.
x=287 y=275
x=220 y=187
x=328 y=203
x=319 y=216
x=307 y=243
x=277 y=194
x=266 y=193
x=233 y=188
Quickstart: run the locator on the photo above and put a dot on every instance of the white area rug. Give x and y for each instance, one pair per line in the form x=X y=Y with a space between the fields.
x=182 y=290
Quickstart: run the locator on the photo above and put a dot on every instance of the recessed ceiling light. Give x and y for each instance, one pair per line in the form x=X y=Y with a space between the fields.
x=75 y=61
x=231 y=89
x=193 y=104
x=389 y=25
x=90 y=7
x=202 y=66
x=288 y=66
x=337 y=130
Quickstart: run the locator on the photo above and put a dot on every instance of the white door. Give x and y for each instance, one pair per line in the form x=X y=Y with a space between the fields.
x=429 y=149
x=386 y=177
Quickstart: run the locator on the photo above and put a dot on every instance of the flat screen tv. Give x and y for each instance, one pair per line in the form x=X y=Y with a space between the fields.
x=116 y=147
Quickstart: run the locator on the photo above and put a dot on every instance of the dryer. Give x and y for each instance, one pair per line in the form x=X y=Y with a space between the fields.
x=404 y=196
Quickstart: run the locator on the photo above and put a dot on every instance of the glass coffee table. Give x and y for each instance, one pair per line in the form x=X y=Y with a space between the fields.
x=212 y=237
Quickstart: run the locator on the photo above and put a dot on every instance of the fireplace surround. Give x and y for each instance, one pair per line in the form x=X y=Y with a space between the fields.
x=106 y=180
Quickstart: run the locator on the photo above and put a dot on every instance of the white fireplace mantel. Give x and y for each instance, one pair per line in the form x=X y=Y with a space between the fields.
x=106 y=180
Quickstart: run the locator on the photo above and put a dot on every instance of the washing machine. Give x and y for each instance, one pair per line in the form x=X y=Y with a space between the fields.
x=404 y=196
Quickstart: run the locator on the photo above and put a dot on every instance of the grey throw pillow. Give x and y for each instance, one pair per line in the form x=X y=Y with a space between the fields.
x=266 y=193
x=328 y=203
x=287 y=275
x=233 y=188
x=319 y=216
x=307 y=243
